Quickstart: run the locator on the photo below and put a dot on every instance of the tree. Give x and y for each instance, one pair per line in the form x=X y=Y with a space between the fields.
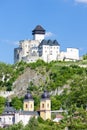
x=17 y=103
x=2 y=103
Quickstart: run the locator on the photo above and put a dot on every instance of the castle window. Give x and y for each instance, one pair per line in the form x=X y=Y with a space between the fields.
x=42 y=105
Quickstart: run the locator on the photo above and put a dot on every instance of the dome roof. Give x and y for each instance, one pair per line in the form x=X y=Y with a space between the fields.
x=28 y=96
x=45 y=95
x=38 y=30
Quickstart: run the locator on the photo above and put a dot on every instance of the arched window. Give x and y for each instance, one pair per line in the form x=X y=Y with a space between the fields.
x=26 y=106
x=31 y=105
x=43 y=105
x=48 y=105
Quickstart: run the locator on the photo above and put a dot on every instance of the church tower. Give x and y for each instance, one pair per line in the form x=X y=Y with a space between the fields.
x=28 y=104
x=45 y=106
x=38 y=33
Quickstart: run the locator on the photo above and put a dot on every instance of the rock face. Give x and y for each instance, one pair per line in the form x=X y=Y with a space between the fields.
x=21 y=84
x=39 y=78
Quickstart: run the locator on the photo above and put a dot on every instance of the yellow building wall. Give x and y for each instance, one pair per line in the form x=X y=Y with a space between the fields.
x=45 y=115
x=47 y=105
x=28 y=106
x=45 y=109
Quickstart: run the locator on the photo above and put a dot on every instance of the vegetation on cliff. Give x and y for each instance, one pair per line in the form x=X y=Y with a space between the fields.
x=57 y=74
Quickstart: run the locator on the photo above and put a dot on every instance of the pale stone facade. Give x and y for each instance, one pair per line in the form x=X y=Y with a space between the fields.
x=72 y=54
x=28 y=104
x=49 y=50
x=20 y=116
x=45 y=106
x=27 y=51
x=11 y=116
x=39 y=48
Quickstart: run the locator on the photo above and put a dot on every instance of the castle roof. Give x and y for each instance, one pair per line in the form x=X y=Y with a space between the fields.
x=38 y=30
x=49 y=42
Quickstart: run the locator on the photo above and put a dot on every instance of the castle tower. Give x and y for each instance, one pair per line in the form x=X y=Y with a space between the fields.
x=28 y=104
x=45 y=106
x=38 y=33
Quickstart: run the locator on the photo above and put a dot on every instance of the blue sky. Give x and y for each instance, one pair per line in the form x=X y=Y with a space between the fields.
x=64 y=20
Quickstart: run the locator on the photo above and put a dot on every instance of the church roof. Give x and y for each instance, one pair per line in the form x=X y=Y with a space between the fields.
x=28 y=96
x=45 y=95
x=34 y=113
x=38 y=30
x=9 y=110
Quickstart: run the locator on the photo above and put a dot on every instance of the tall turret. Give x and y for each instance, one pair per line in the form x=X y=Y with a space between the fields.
x=28 y=102
x=45 y=106
x=38 y=33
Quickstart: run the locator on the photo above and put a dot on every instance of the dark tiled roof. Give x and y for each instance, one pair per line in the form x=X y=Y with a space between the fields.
x=8 y=110
x=49 y=42
x=55 y=42
x=44 y=42
x=28 y=96
x=45 y=95
x=38 y=30
x=28 y=112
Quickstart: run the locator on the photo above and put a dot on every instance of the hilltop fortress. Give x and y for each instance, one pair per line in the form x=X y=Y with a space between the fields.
x=40 y=48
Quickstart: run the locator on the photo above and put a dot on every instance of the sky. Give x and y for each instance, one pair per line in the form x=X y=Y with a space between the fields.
x=63 y=20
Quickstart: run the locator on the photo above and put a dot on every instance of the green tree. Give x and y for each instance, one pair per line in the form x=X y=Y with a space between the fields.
x=2 y=103
x=17 y=103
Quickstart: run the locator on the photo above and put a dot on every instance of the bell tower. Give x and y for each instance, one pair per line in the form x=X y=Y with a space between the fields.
x=45 y=106
x=28 y=104
x=38 y=33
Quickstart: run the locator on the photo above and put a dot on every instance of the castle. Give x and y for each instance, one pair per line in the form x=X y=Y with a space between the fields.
x=11 y=116
x=40 y=48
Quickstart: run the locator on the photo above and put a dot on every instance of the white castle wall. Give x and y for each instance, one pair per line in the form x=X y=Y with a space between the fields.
x=28 y=51
x=27 y=45
x=39 y=37
x=50 y=53
x=72 y=54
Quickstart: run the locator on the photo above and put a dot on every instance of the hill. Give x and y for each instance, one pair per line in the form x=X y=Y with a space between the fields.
x=57 y=77
x=65 y=81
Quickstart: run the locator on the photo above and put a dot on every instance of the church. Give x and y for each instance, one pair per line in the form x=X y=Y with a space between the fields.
x=12 y=116
x=41 y=48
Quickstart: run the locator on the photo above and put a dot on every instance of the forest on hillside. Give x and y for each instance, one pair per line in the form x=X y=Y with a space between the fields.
x=73 y=98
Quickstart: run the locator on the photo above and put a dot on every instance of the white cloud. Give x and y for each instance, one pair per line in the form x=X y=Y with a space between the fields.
x=9 y=42
x=49 y=34
x=81 y=1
